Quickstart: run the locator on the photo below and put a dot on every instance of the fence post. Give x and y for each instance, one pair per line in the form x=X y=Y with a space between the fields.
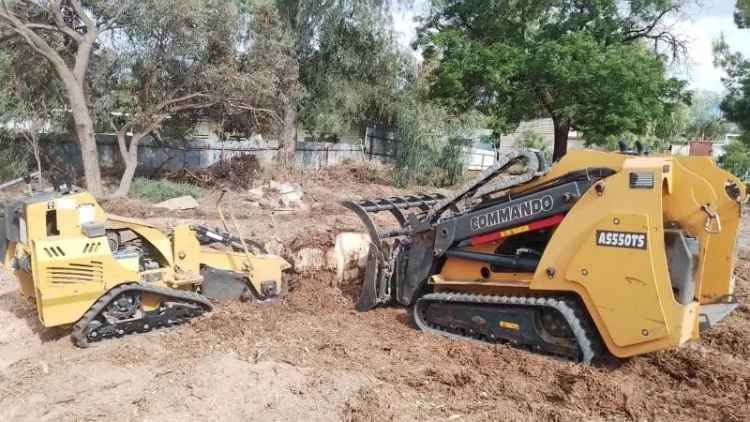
x=371 y=142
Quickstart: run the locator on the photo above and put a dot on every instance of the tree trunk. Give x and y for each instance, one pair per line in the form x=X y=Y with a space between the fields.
x=86 y=136
x=127 y=178
x=289 y=137
x=130 y=157
x=38 y=159
x=562 y=129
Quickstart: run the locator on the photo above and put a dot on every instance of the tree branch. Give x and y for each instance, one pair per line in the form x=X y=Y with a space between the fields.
x=110 y=23
x=32 y=38
x=640 y=32
x=90 y=24
x=55 y=7
x=164 y=104
x=85 y=44
x=51 y=28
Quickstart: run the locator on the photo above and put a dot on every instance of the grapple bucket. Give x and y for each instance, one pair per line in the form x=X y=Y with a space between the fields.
x=376 y=285
x=396 y=206
x=382 y=260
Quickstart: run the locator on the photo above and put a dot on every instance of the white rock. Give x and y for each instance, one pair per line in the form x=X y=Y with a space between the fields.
x=274 y=247
x=309 y=259
x=287 y=188
x=350 y=252
x=274 y=185
x=291 y=196
x=255 y=195
x=179 y=203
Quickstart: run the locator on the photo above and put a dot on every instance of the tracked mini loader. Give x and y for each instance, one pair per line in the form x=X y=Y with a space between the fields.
x=602 y=252
x=108 y=276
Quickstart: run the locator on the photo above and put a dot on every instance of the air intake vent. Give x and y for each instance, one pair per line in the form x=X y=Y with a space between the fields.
x=54 y=252
x=92 y=247
x=76 y=273
x=642 y=180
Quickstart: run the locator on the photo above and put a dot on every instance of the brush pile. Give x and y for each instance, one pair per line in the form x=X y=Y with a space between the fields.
x=236 y=173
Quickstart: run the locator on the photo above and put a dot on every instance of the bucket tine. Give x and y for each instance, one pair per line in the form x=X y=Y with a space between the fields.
x=395 y=205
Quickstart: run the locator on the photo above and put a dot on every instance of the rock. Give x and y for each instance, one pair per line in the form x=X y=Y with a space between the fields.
x=331 y=259
x=179 y=203
x=286 y=188
x=255 y=195
x=309 y=259
x=349 y=253
x=743 y=252
x=274 y=185
x=274 y=247
x=291 y=196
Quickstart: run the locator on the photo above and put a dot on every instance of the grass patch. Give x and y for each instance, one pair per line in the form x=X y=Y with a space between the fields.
x=161 y=190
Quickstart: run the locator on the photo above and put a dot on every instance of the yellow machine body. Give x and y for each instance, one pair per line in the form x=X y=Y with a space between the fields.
x=61 y=255
x=627 y=291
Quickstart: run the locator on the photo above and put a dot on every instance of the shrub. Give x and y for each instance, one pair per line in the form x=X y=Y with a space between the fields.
x=14 y=157
x=431 y=150
x=161 y=190
x=533 y=140
x=736 y=159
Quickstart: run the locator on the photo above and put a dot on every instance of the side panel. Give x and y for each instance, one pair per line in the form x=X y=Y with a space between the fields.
x=71 y=274
x=606 y=292
x=615 y=264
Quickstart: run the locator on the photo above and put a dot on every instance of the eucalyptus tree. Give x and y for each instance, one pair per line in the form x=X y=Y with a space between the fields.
x=64 y=33
x=351 y=65
x=137 y=66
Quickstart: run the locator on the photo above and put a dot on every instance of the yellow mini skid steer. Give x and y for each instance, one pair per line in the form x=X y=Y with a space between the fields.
x=109 y=276
x=604 y=251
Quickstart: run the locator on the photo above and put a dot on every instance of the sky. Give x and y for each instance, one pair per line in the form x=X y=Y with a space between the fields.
x=701 y=23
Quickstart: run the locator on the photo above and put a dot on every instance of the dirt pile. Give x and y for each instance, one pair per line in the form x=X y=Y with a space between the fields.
x=312 y=357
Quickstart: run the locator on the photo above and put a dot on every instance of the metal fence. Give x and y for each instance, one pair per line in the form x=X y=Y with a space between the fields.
x=154 y=155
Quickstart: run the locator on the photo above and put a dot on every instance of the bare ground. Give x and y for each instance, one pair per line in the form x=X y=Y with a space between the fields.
x=312 y=357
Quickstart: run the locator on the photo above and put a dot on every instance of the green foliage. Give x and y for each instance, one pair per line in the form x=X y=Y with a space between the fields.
x=736 y=104
x=347 y=89
x=422 y=138
x=197 y=58
x=533 y=140
x=580 y=63
x=736 y=159
x=351 y=65
x=14 y=157
x=651 y=143
x=673 y=127
x=742 y=13
x=161 y=190
x=704 y=119
x=430 y=149
x=31 y=99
